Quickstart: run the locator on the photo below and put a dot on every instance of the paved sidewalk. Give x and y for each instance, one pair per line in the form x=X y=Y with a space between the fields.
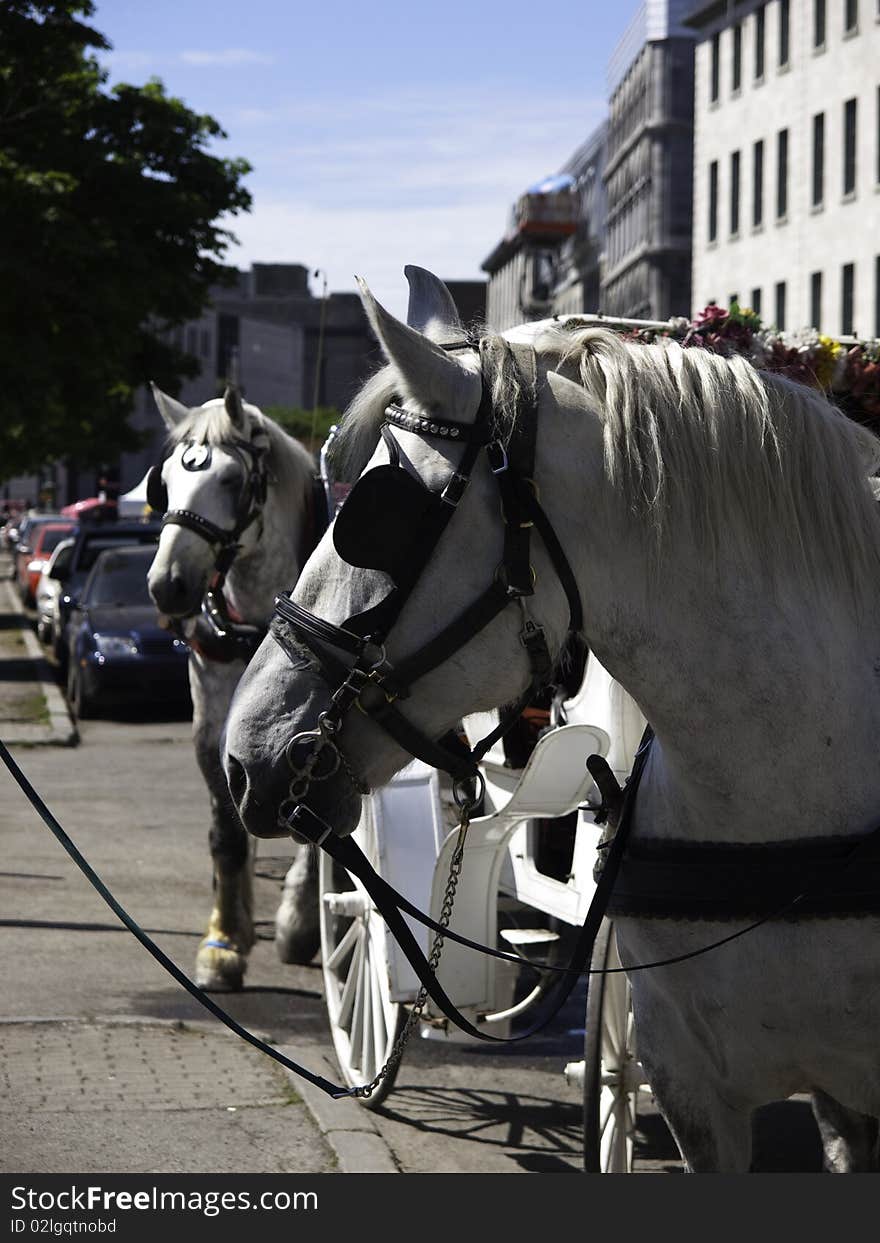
x=32 y=708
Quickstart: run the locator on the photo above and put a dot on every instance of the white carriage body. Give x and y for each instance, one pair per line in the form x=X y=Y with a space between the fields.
x=410 y=823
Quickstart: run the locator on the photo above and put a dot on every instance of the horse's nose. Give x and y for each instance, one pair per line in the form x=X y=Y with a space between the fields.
x=171 y=594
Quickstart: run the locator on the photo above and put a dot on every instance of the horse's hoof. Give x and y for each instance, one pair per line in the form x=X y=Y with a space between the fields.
x=219 y=968
x=297 y=940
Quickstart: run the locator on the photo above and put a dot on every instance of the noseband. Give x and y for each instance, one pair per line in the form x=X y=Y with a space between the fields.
x=352 y=657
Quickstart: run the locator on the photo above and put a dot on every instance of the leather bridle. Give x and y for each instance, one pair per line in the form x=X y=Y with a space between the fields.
x=352 y=658
x=248 y=509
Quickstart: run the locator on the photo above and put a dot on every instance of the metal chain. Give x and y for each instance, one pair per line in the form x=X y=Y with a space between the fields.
x=394 y=1057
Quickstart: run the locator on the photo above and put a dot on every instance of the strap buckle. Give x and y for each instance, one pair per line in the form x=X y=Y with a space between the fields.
x=454 y=490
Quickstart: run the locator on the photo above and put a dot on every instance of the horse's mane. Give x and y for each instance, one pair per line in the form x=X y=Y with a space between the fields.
x=289 y=461
x=751 y=460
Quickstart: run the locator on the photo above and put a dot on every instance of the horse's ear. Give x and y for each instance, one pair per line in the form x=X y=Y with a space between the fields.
x=234 y=407
x=431 y=308
x=427 y=373
x=171 y=410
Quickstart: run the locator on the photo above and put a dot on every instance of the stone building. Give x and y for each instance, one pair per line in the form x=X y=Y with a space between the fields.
x=548 y=261
x=648 y=166
x=787 y=161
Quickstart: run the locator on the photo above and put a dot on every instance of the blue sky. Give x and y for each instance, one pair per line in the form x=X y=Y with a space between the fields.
x=380 y=134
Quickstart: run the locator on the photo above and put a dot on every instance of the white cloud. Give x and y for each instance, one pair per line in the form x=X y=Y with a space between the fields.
x=366 y=185
x=226 y=56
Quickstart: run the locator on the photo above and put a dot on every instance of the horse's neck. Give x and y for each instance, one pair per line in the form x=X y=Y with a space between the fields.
x=765 y=714
x=274 y=565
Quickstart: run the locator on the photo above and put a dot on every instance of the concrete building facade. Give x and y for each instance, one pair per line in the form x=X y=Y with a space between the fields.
x=648 y=168
x=787 y=161
x=549 y=260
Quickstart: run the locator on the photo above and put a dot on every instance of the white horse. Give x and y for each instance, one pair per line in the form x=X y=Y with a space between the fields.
x=228 y=466
x=726 y=546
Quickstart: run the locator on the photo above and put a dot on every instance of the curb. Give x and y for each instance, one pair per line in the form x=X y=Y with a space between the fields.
x=61 y=730
x=347 y=1127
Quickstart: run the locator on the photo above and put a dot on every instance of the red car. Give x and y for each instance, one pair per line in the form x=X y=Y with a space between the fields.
x=31 y=559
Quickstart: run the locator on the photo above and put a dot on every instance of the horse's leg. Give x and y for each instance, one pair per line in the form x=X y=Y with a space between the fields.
x=297 y=932
x=713 y=1137
x=850 y=1140
x=221 y=960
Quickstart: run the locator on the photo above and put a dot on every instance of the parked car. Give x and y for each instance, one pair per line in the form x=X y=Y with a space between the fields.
x=91 y=540
x=48 y=592
x=30 y=563
x=27 y=530
x=118 y=652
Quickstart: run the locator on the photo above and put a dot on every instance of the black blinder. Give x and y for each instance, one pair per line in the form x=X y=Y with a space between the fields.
x=157 y=493
x=383 y=521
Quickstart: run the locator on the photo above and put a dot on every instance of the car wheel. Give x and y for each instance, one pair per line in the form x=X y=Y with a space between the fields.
x=82 y=705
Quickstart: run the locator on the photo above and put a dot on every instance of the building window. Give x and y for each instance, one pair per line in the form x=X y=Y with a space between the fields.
x=847 y=290
x=713 y=200
x=783 y=32
x=781 y=173
x=756 y=301
x=818 y=159
x=877 y=296
x=734 y=192
x=780 y=306
x=816 y=300
x=818 y=23
x=715 y=70
x=737 y=56
x=760 y=17
x=758 y=183
x=849 y=146
x=850 y=16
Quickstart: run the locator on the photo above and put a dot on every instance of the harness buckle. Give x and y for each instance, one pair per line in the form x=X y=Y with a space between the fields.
x=454 y=490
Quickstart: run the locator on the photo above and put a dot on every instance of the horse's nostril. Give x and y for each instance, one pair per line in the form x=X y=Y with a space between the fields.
x=236 y=778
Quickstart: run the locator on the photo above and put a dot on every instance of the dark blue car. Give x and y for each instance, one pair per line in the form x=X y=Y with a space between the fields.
x=118 y=654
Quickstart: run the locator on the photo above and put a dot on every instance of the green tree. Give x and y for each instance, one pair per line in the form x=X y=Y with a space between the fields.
x=309 y=426
x=109 y=236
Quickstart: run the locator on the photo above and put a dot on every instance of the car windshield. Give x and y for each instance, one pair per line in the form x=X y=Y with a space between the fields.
x=52 y=537
x=94 y=547
x=121 y=578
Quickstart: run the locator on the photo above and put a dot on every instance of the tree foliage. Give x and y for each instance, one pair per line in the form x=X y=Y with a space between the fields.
x=109 y=236
x=309 y=426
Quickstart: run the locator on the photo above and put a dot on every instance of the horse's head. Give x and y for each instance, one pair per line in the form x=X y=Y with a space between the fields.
x=210 y=486
x=390 y=578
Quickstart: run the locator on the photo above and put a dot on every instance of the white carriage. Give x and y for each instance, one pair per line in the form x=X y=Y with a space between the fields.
x=507 y=894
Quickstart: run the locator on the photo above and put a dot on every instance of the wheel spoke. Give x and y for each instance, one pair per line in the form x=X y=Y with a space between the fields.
x=346 y=1001
x=343 y=947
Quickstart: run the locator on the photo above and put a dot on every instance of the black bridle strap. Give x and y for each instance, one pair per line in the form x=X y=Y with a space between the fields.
x=200 y=526
x=315 y=627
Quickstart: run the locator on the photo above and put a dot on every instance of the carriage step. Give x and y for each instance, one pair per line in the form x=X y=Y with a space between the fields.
x=528 y=936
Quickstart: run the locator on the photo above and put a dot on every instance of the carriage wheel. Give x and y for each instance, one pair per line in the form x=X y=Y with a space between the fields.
x=614 y=1083
x=364 y=1021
